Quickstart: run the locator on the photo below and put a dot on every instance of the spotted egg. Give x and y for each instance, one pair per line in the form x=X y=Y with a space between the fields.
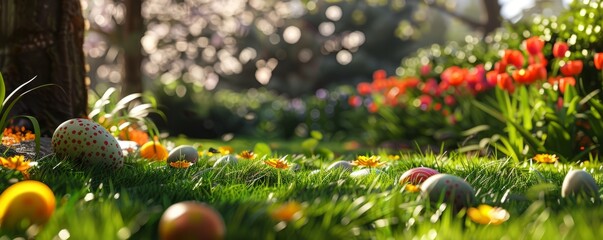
x=579 y=183
x=183 y=153
x=86 y=142
x=449 y=189
x=417 y=175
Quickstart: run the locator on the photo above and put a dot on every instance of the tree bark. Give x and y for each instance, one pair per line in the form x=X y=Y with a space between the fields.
x=133 y=32
x=44 y=39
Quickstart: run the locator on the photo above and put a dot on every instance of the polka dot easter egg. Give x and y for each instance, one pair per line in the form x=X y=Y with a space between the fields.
x=87 y=142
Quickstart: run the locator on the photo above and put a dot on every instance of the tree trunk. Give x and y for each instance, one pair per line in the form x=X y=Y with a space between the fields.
x=133 y=32
x=44 y=39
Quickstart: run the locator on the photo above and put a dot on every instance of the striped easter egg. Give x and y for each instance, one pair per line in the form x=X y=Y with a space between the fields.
x=417 y=175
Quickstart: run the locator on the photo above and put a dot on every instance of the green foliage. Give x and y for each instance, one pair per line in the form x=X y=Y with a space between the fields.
x=117 y=114
x=127 y=203
x=7 y=103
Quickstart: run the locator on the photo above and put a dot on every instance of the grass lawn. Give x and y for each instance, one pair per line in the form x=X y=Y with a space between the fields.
x=127 y=203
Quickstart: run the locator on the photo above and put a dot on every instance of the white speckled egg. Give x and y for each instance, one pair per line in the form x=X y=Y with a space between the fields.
x=184 y=152
x=579 y=183
x=226 y=160
x=87 y=142
x=364 y=172
x=449 y=189
x=343 y=165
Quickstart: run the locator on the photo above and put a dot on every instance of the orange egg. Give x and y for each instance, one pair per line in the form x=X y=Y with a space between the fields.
x=153 y=150
x=30 y=201
x=191 y=220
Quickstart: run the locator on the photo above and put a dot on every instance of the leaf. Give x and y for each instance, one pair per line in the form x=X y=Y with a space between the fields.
x=475 y=130
x=15 y=91
x=262 y=149
x=2 y=90
x=121 y=104
x=309 y=144
x=316 y=135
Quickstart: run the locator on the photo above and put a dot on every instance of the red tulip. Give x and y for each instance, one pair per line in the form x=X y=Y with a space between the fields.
x=379 y=74
x=364 y=88
x=538 y=70
x=599 y=61
x=534 y=45
x=563 y=82
x=425 y=69
x=513 y=57
x=523 y=76
x=572 y=68
x=491 y=77
x=354 y=101
x=454 y=75
x=559 y=49
x=505 y=82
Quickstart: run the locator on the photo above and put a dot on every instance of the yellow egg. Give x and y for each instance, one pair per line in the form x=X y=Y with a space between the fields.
x=30 y=202
x=154 y=150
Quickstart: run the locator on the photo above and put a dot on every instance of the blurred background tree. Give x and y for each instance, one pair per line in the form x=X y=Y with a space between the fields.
x=179 y=49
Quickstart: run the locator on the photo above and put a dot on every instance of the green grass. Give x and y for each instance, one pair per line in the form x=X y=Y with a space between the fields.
x=127 y=203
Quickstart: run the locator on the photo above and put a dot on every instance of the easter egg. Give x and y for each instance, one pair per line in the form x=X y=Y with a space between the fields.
x=226 y=160
x=579 y=183
x=449 y=189
x=26 y=201
x=417 y=175
x=191 y=220
x=341 y=165
x=183 y=153
x=153 y=150
x=364 y=172
x=87 y=142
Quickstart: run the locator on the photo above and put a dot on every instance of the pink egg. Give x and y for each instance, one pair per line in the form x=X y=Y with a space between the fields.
x=417 y=175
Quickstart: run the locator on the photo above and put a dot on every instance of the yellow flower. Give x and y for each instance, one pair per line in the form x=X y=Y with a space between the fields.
x=225 y=150
x=17 y=163
x=277 y=163
x=486 y=214
x=287 y=211
x=366 y=161
x=545 y=158
x=180 y=164
x=246 y=155
x=412 y=188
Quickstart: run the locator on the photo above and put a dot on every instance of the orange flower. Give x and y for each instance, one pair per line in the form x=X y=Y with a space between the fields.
x=545 y=158
x=246 y=155
x=14 y=135
x=133 y=134
x=180 y=164
x=366 y=161
x=153 y=150
x=523 y=76
x=277 y=163
x=287 y=211
x=486 y=214
x=364 y=88
x=454 y=75
x=17 y=163
x=513 y=57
